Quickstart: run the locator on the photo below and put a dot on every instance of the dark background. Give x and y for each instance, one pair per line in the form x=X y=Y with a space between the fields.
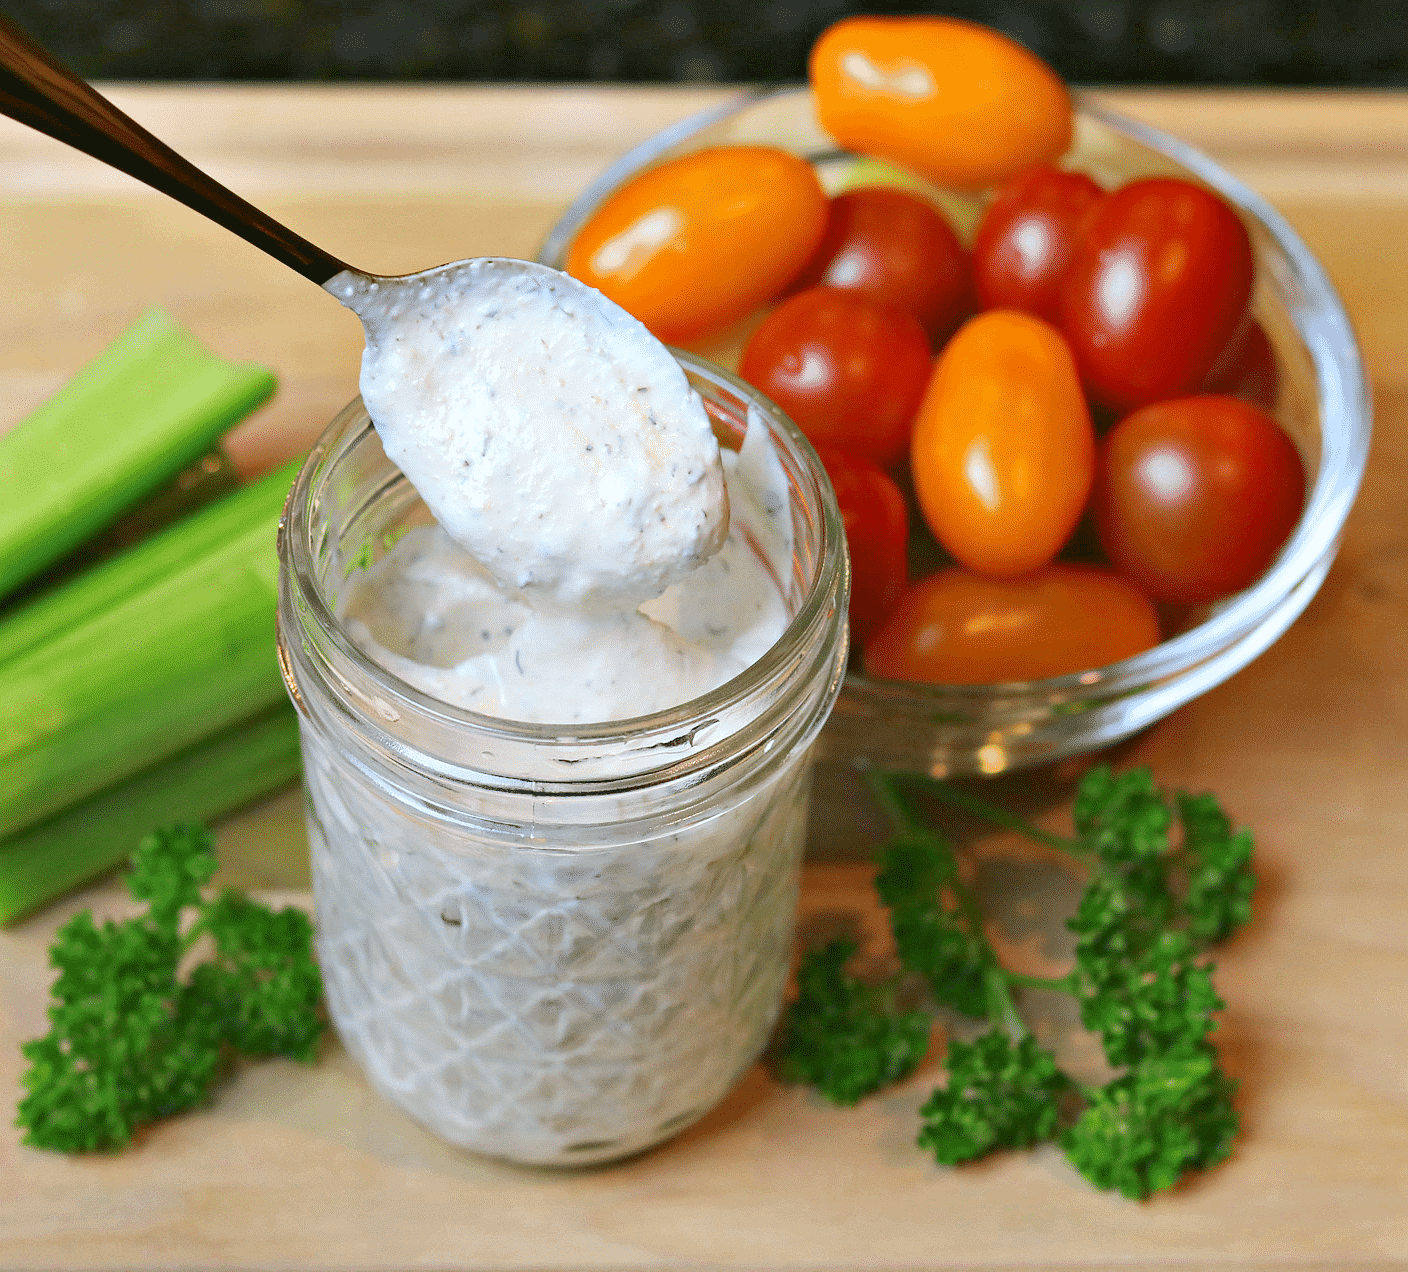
x=1305 y=42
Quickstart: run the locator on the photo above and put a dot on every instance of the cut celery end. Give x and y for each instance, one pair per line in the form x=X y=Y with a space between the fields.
x=154 y=401
x=49 y=615
x=208 y=780
x=188 y=654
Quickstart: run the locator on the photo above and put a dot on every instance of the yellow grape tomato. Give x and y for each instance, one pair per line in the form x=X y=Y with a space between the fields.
x=959 y=103
x=1003 y=450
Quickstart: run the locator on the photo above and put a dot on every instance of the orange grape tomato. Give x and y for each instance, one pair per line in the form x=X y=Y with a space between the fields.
x=1003 y=451
x=1194 y=498
x=848 y=370
x=958 y=628
x=957 y=102
x=697 y=243
x=877 y=533
x=897 y=248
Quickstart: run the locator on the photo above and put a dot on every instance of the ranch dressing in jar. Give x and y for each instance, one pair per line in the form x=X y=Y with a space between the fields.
x=557 y=797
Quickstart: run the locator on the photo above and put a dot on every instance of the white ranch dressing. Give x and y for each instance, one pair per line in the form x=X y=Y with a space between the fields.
x=427 y=612
x=582 y=568
x=549 y=433
x=560 y=994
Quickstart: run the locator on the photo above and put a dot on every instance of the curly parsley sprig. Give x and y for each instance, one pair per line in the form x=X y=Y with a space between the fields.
x=130 y=1040
x=1151 y=907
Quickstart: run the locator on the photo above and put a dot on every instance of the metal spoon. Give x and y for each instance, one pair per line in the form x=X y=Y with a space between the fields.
x=38 y=90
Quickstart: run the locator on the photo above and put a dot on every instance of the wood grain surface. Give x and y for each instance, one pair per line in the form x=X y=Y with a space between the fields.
x=307 y=1168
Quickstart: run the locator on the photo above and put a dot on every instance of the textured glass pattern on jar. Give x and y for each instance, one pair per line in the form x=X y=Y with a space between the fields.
x=550 y=1005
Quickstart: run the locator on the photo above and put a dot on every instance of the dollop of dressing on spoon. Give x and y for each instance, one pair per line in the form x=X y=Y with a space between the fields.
x=550 y=434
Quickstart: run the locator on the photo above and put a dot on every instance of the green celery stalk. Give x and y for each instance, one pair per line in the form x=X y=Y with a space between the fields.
x=154 y=401
x=211 y=477
x=187 y=655
x=121 y=576
x=205 y=781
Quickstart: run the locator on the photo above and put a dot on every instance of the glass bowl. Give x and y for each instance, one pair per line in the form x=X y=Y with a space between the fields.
x=1322 y=403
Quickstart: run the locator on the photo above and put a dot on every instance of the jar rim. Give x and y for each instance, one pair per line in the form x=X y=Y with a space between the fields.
x=663 y=731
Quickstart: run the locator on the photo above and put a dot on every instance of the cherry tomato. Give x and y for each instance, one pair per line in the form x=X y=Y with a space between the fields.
x=1194 y=497
x=1156 y=291
x=1027 y=238
x=877 y=532
x=957 y=628
x=1248 y=369
x=1003 y=451
x=957 y=102
x=896 y=248
x=699 y=242
x=848 y=370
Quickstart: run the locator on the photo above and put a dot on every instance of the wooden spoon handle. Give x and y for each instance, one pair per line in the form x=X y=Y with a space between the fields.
x=39 y=91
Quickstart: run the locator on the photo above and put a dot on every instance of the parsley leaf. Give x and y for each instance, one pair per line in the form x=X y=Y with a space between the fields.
x=1170 y=1113
x=262 y=983
x=1123 y=819
x=1218 y=864
x=1147 y=914
x=932 y=938
x=130 y=1042
x=843 y=1037
x=1000 y=1094
x=1148 y=1004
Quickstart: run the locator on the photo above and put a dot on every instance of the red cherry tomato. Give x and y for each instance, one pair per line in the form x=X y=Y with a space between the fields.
x=849 y=371
x=896 y=248
x=1156 y=291
x=1027 y=238
x=877 y=533
x=1248 y=369
x=1003 y=452
x=1194 y=497
x=958 y=628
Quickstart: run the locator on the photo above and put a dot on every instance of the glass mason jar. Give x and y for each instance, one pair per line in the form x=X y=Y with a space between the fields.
x=549 y=946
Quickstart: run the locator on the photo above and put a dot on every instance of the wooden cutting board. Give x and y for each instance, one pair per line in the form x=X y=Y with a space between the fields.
x=306 y=1168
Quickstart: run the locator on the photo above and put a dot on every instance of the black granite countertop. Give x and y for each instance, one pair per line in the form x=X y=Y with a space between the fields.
x=1305 y=42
